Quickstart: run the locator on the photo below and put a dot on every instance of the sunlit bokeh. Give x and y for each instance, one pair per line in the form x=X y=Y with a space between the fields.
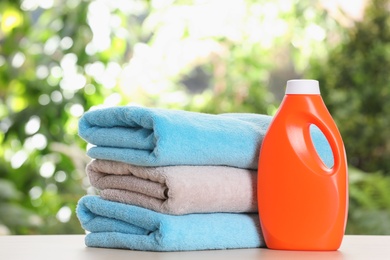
x=59 y=59
x=64 y=214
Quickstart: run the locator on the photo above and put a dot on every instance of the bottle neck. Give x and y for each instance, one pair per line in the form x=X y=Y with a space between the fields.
x=293 y=103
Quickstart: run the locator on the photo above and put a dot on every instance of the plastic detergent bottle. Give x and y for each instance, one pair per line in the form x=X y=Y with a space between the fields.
x=303 y=204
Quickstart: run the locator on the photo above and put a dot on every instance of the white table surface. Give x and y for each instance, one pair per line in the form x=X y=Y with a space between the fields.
x=72 y=247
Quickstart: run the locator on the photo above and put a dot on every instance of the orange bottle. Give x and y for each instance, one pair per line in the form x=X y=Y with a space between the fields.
x=303 y=204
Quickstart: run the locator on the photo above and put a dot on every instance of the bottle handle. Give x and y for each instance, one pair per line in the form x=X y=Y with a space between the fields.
x=333 y=142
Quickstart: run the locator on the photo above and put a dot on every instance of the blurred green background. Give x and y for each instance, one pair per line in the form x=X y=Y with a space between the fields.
x=60 y=58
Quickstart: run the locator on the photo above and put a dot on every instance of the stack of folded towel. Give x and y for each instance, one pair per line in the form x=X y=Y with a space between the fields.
x=172 y=180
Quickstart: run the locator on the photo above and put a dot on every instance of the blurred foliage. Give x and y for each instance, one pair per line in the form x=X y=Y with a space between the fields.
x=35 y=116
x=369 y=211
x=44 y=87
x=12 y=215
x=61 y=58
x=356 y=89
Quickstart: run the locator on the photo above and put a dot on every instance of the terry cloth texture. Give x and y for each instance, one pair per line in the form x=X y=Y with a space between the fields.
x=176 y=189
x=118 y=225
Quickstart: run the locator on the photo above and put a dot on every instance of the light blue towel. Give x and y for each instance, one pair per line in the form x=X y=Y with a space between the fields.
x=117 y=225
x=159 y=137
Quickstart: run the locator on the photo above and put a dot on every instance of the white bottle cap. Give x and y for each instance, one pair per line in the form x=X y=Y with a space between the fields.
x=303 y=86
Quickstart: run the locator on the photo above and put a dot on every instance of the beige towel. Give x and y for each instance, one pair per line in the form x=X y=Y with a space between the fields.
x=176 y=190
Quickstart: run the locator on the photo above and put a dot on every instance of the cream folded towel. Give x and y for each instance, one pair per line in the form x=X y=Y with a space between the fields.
x=176 y=190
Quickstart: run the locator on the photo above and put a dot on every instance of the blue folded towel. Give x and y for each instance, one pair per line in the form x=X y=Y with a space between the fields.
x=160 y=137
x=117 y=225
